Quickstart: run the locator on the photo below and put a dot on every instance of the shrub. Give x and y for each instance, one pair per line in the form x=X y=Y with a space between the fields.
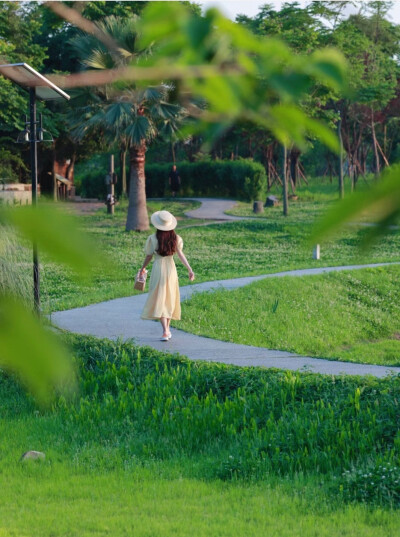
x=10 y=163
x=268 y=420
x=240 y=179
x=90 y=177
x=7 y=174
x=376 y=482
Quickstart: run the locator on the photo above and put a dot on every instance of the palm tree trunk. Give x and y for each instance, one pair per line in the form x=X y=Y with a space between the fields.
x=137 y=219
x=123 y=169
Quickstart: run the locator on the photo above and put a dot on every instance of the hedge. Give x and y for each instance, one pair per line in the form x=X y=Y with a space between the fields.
x=240 y=179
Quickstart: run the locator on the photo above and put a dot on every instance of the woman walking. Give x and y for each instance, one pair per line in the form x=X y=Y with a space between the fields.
x=163 y=301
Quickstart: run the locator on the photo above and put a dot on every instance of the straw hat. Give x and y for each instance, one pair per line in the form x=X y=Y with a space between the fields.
x=163 y=220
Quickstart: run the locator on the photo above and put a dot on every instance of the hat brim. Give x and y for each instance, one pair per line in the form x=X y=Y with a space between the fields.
x=157 y=223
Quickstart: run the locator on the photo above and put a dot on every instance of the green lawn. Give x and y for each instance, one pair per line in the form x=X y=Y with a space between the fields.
x=259 y=246
x=214 y=251
x=42 y=501
x=158 y=445
x=154 y=444
x=351 y=316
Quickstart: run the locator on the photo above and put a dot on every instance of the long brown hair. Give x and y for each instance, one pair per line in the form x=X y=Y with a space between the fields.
x=166 y=242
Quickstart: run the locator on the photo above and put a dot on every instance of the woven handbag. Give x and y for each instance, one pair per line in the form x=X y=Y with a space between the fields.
x=140 y=280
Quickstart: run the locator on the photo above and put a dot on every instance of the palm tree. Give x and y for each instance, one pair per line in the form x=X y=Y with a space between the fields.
x=126 y=114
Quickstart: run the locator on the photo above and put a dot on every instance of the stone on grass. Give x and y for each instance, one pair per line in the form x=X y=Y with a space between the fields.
x=272 y=201
x=258 y=207
x=33 y=456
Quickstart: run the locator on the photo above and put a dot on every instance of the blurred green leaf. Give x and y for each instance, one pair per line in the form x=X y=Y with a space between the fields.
x=33 y=353
x=290 y=85
x=160 y=22
x=55 y=233
x=198 y=28
x=329 y=67
x=381 y=200
x=240 y=76
x=290 y=124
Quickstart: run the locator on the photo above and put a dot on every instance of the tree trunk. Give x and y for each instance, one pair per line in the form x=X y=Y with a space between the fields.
x=137 y=219
x=294 y=166
x=285 y=182
x=173 y=152
x=341 y=179
x=53 y=172
x=70 y=167
x=377 y=161
x=385 y=139
x=123 y=170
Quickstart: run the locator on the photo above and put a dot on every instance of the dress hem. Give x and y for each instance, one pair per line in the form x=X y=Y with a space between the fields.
x=158 y=318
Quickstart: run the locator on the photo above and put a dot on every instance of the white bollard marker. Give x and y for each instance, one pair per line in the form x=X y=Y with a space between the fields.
x=316 y=252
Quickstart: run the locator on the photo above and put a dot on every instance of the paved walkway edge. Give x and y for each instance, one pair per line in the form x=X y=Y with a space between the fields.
x=120 y=318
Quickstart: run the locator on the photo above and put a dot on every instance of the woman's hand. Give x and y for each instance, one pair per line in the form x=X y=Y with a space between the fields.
x=191 y=275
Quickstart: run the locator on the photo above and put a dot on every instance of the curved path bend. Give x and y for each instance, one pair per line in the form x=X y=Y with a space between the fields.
x=213 y=209
x=121 y=318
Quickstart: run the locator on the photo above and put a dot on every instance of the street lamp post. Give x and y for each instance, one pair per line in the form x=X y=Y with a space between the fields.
x=39 y=87
x=33 y=152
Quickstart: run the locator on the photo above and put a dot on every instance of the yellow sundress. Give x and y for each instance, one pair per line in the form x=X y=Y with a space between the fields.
x=164 y=298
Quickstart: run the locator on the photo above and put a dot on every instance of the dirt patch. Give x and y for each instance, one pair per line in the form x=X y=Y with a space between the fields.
x=84 y=207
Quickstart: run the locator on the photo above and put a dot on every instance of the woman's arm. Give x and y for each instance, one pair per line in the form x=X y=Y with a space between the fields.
x=146 y=261
x=182 y=257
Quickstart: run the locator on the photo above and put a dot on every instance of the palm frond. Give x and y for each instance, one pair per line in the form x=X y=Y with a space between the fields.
x=100 y=59
x=165 y=110
x=169 y=130
x=117 y=115
x=121 y=109
x=140 y=130
x=152 y=94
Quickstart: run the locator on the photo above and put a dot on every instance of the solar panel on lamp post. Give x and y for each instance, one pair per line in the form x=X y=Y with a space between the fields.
x=39 y=87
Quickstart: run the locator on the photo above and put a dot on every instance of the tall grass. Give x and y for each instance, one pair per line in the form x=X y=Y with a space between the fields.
x=16 y=268
x=258 y=421
x=137 y=407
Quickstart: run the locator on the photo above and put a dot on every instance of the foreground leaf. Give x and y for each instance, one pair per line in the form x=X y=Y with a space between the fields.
x=55 y=233
x=382 y=201
x=33 y=353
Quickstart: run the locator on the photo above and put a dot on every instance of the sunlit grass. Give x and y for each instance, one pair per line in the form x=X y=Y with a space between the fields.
x=217 y=251
x=116 y=465
x=47 y=502
x=352 y=316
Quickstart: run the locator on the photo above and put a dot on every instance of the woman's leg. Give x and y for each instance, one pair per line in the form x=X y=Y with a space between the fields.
x=164 y=323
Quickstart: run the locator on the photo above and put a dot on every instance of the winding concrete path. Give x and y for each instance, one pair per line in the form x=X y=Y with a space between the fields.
x=213 y=209
x=121 y=318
